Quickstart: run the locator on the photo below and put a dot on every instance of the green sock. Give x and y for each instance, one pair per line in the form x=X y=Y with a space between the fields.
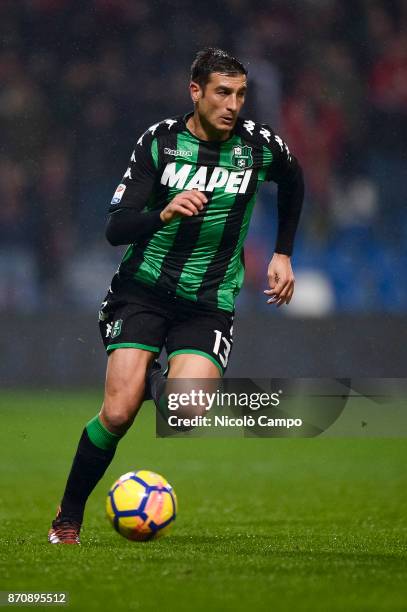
x=100 y=436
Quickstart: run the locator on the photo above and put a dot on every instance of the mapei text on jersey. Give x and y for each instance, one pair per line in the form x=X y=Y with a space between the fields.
x=233 y=182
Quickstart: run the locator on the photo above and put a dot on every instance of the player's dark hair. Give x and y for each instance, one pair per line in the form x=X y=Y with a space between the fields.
x=211 y=60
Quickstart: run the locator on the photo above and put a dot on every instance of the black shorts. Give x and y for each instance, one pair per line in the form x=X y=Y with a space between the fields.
x=150 y=320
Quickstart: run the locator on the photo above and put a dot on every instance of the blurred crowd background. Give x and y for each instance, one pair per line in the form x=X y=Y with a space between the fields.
x=80 y=80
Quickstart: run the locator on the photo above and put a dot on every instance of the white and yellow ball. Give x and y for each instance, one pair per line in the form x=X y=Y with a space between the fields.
x=141 y=505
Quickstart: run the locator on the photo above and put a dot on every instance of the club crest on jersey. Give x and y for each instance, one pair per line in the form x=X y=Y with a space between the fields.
x=242 y=157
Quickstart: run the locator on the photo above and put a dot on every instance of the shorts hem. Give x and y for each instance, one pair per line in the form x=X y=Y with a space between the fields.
x=197 y=352
x=144 y=347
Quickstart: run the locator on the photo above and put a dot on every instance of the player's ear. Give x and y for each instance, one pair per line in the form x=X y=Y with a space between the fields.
x=195 y=91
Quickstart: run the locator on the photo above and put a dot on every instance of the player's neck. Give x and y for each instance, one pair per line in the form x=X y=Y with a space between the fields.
x=204 y=131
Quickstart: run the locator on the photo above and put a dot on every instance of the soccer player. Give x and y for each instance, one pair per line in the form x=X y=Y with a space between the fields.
x=184 y=207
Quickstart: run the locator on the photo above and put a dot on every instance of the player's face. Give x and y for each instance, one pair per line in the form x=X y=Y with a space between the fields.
x=220 y=102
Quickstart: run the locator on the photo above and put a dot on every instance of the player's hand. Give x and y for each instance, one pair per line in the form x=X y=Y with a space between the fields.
x=185 y=204
x=281 y=280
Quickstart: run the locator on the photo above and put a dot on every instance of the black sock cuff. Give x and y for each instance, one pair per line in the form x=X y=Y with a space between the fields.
x=87 y=448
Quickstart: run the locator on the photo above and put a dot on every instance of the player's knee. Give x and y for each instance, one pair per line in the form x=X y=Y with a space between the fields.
x=119 y=417
x=124 y=394
x=120 y=406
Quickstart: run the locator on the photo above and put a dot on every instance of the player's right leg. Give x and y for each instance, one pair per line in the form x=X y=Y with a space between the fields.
x=124 y=394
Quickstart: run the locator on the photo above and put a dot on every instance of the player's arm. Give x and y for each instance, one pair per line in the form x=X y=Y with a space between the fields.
x=127 y=221
x=287 y=173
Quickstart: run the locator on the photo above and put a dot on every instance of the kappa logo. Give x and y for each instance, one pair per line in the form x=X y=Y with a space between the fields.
x=282 y=146
x=265 y=133
x=103 y=315
x=249 y=125
x=203 y=179
x=152 y=128
x=242 y=156
x=177 y=152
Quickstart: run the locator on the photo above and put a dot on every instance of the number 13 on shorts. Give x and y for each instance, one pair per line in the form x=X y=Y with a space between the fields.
x=222 y=346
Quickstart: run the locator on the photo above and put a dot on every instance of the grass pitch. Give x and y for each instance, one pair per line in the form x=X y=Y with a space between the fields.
x=263 y=524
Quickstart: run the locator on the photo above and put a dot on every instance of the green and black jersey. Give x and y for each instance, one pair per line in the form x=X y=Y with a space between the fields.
x=200 y=258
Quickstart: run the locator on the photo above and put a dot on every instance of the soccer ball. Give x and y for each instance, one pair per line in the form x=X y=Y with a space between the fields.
x=141 y=505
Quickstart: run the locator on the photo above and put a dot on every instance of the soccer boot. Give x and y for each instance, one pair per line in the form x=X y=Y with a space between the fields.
x=64 y=530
